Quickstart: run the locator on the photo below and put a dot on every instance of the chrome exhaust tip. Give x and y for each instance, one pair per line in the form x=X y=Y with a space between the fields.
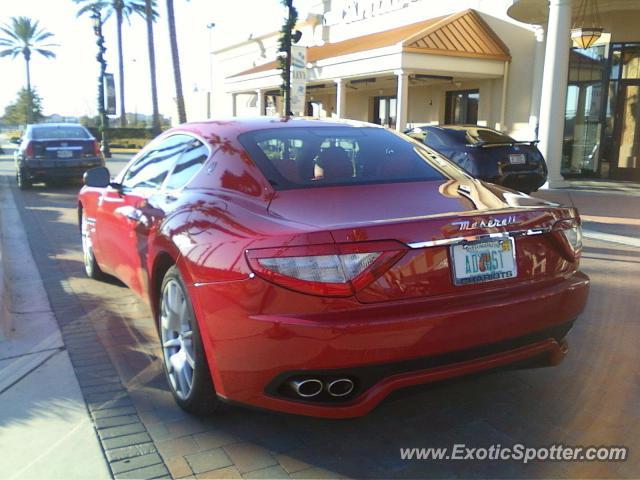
x=307 y=388
x=340 y=387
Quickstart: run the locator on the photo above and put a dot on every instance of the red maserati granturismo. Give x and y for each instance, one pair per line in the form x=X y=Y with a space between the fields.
x=313 y=266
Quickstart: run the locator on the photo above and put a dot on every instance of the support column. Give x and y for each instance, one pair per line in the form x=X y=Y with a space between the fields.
x=538 y=68
x=402 y=101
x=234 y=109
x=341 y=98
x=260 y=102
x=503 y=98
x=554 y=87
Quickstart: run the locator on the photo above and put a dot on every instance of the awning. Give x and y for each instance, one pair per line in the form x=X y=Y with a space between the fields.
x=463 y=34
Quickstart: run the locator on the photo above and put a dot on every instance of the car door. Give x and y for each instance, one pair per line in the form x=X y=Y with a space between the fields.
x=123 y=218
x=169 y=201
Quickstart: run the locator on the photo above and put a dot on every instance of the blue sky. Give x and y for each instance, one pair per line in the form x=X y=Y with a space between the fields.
x=68 y=83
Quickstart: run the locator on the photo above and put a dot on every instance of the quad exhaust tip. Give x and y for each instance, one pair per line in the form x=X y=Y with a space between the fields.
x=307 y=388
x=340 y=387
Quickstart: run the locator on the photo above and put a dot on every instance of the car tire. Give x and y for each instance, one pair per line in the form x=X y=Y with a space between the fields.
x=184 y=360
x=91 y=267
x=23 y=182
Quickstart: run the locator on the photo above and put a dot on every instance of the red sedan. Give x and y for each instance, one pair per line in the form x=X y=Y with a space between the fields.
x=313 y=267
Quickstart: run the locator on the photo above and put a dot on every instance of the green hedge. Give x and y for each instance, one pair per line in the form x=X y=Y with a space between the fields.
x=124 y=133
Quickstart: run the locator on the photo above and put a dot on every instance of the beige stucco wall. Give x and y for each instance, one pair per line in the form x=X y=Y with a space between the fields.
x=623 y=25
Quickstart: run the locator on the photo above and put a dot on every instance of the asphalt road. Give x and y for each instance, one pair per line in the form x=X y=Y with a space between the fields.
x=592 y=398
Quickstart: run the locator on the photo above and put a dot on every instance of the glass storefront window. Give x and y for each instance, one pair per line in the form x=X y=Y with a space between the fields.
x=582 y=130
x=631 y=62
x=621 y=118
x=462 y=107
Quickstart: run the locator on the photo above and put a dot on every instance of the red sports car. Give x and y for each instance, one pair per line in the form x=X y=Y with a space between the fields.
x=313 y=267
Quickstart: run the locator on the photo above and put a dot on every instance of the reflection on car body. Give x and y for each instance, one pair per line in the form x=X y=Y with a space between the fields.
x=487 y=154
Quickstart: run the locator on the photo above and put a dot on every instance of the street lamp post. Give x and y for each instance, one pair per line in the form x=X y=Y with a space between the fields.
x=104 y=120
x=287 y=37
x=210 y=27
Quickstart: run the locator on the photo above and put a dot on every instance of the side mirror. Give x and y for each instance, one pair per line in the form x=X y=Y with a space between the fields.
x=15 y=141
x=98 y=177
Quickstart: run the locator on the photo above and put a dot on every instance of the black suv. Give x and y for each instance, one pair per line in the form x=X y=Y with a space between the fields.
x=55 y=152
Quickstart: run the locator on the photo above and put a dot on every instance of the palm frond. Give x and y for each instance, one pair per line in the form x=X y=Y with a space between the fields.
x=7 y=31
x=46 y=53
x=42 y=35
x=90 y=5
x=9 y=51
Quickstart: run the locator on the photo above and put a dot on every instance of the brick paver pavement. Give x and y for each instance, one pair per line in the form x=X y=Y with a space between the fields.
x=592 y=398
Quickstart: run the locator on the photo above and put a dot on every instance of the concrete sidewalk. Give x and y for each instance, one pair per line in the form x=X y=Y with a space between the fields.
x=45 y=428
x=611 y=214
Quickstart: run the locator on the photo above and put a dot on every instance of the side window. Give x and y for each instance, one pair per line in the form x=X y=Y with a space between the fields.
x=193 y=157
x=151 y=169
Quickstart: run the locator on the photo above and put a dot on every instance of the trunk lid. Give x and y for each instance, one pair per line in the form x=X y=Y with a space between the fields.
x=422 y=215
x=62 y=150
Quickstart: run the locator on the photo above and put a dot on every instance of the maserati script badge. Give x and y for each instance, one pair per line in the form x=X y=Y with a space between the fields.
x=492 y=222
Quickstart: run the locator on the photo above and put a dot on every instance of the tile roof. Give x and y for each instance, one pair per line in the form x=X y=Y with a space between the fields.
x=463 y=34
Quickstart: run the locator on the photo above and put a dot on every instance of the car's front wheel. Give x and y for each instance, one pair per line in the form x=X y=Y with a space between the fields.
x=23 y=181
x=184 y=359
x=91 y=267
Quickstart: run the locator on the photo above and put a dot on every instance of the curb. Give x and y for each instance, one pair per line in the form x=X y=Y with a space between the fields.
x=5 y=318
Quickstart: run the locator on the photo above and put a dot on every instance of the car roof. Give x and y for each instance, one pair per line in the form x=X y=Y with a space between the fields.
x=238 y=125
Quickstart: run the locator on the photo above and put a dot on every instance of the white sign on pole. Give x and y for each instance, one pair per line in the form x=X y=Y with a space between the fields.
x=298 y=79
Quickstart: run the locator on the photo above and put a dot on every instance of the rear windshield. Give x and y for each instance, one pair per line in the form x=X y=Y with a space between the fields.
x=62 y=132
x=306 y=157
x=483 y=135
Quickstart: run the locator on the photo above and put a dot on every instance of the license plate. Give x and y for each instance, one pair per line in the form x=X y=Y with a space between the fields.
x=484 y=261
x=517 y=159
x=65 y=153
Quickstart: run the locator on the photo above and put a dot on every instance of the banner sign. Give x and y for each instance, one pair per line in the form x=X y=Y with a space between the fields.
x=298 y=79
x=109 y=94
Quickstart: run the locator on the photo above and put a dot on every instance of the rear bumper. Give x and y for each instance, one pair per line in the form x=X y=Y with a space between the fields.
x=252 y=358
x=45 y=170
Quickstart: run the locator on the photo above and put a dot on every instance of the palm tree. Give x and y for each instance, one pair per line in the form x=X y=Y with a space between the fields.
x=177 y=77
x=123 y=9
x=24 y=36
x=149 y=15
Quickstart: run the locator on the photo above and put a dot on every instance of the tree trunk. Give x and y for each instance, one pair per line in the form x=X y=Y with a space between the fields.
x=123 y=111
x=27 y=57
x=155 y=125
x=173 y=40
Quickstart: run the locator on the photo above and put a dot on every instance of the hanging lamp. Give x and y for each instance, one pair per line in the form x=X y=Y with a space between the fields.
x=585 y=33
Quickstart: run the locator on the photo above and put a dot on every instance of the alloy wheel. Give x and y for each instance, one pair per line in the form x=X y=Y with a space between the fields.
x=176 y=327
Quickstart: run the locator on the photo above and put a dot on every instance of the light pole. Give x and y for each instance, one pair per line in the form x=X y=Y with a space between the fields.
x=210 y=27
x=287 y=37
x=104 y=120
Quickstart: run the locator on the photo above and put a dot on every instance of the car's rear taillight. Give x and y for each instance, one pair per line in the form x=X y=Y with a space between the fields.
x=96 y=148
x=570 y=235
x=29 y=150
x=328 y=270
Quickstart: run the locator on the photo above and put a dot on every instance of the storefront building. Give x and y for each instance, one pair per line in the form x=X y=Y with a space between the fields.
x=498 y=63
